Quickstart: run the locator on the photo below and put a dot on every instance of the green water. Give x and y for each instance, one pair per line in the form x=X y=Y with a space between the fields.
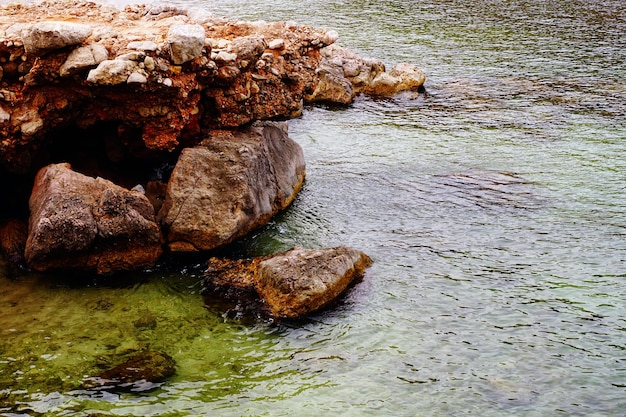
x=493 y=208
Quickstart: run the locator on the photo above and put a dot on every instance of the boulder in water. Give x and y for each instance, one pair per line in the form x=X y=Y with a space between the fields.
x=292 y=283
x=89 y=224
x=229 y=185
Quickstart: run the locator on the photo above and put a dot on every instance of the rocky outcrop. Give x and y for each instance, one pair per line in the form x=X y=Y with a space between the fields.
x=344 y=75
x=127 y=95
x=90 y=224
x=161 y=71
x=229 y=185
x=292 y=283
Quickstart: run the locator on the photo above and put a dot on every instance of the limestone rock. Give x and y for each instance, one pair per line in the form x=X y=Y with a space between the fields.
x=300 y=281
x=42 y=37
x=83 y=58
x=112 y=72
x=402 y=77
x=344 y=75
x=291 y=283
x=186 y=42
x=89 y=224
x=229 y=185
x=333 y=87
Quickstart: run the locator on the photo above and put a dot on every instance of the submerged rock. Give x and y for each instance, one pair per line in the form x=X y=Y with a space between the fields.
x=142 y=372
x=229 y=185
x=292 y=283
x=89 y=224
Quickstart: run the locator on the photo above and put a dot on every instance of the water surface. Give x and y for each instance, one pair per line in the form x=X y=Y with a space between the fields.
x=493 y=208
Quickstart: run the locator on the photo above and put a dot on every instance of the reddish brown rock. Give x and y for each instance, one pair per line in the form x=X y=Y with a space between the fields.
x=229 y=185
x=292 y=283
x=89 y=224
x=13 y=235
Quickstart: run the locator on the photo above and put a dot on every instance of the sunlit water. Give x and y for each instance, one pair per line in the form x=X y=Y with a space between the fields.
x=493 y=207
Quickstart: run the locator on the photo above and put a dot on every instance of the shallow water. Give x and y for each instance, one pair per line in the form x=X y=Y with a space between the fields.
x=493 y=207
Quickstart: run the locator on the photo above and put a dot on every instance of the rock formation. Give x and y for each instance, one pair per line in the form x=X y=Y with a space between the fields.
x=230 y=184
x=292 y=283
x=89 y=224
x=121 y=94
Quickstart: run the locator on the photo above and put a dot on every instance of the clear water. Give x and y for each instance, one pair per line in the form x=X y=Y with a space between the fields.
x=493 y=207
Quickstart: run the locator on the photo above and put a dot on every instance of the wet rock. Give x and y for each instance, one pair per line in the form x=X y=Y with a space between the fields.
x=142 y=372
x=229 y=185
x=292 y=283
x=402 y=77
x=344 y=75
x=300 y=281
x=89 y=224
x=42 y=37
x=112 y=72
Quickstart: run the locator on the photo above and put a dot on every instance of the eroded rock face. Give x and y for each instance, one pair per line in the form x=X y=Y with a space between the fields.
x=89 y=224
x=230 y=184
x=292 y=283
x=175 y=73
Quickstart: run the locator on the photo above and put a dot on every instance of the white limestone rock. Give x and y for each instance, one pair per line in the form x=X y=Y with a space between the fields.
x=186 y=42
x=112 y=72
x=46 y=36
x=83 y=58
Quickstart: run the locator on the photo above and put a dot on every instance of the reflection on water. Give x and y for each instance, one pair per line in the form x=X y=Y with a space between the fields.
x=493 y=208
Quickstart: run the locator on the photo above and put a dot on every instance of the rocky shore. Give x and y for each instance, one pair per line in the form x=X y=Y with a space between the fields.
x=128 y=133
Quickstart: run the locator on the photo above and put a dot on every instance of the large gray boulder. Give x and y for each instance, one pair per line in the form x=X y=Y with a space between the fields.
x=89 y=224
x=232 y=183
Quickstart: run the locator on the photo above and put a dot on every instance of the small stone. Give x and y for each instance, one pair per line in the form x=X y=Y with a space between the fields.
x=143 y=46
x=224 y=57
x=276 y=44
x=132 y=56
x=167 y=82
x=83 y=58
x=137 y=77
x=111 y=72
x=148 y=62
x=330 y=37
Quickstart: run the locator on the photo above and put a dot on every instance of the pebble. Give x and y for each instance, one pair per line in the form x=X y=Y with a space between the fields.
x=137 y=78
x=276 y=44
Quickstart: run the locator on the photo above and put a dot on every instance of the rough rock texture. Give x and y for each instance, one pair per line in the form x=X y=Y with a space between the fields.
x=162 y=71
x=344 y=75
x=89 y=224
x=230 y=184
x=136 y=88
x=292 y=283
